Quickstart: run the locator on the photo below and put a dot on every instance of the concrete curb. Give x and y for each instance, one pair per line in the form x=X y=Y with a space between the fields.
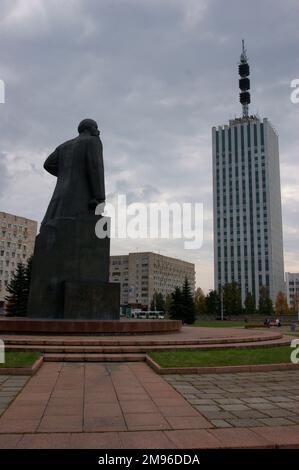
x=218 y=370
x=23 y=370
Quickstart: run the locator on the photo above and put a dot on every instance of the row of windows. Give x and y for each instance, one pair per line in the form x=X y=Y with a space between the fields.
x=14 y=246
x=12 y=255
x=238 y=279
x=245 y=128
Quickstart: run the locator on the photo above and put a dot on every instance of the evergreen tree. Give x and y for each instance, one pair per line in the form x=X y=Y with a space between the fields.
x=188 y=303
x=28 y=271
x=249 y=305
x=18 y=290
x=213 y=303
x=16 y=300
x=176 y=306
x=158 y=302
x=232 y=302
x=168 y=303
x=265 y=303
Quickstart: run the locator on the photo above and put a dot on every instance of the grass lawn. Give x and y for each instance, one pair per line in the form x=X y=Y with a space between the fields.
x=19 y=359
x=219 y=323
x=222 y=357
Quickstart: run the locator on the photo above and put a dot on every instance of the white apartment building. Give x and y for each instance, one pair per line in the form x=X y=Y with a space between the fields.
x=248 y=243
x=17 y=238
x=292 y=287
x=142 y=274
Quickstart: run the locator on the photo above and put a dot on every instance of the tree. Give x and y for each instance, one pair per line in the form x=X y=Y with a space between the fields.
x=158 y=302
x=295 y=304
x=213 y=304
x=182 y=304
x=265 y=303
x=281 y=304
x=28 y=271
x=176 y=306
x=188 y=303
x=249 y=304
x=16 y=300
x=200 y=302
x=168 y=303
x=18 y=290
x=232 y=301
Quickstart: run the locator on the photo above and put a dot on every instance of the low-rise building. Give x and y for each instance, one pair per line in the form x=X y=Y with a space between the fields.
x=17 y=238
x=292 y=287
x=142 y=274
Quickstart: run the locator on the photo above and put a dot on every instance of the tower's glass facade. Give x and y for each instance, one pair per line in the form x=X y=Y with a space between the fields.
x=248 y=245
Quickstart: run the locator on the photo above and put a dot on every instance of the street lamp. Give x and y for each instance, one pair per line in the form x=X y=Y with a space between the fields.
x=221 y=300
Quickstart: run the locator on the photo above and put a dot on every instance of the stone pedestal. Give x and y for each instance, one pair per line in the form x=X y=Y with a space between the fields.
x=92 y=300
x=70 y=273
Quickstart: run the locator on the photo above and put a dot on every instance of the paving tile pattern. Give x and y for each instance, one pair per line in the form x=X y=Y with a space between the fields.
x=127 y=406
x=10 y=386
x=91 y=398
x=244 y=399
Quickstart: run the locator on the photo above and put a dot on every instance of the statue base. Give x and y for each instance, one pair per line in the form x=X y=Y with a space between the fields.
x=92 y=300
x=70 y=272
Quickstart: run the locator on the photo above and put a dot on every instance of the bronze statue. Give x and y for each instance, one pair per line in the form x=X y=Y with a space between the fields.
x=78 y=166
x=70 y=270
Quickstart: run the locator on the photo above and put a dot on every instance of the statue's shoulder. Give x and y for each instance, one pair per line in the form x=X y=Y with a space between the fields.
x=84 y=142
x=90 y=139
x=67 y=143
x=91 y=142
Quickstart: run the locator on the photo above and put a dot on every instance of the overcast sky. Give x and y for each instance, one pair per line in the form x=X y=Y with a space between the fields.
x=156 y=75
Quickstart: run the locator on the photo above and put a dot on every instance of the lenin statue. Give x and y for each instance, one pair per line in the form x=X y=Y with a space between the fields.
x=70 y=272
x=78 y=166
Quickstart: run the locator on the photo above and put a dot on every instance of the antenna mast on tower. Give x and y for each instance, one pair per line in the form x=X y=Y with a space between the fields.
x=244 y=82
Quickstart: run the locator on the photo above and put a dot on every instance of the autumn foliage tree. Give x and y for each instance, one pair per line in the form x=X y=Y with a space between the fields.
x=295 y=304
x=200 y=302
x=281 y=304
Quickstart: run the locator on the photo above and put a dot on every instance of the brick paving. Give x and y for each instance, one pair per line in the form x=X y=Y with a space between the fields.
x=127 y=405
x=77 y=397
x=243 y=399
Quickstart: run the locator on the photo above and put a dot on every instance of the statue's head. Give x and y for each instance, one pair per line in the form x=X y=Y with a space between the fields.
x=88 y=126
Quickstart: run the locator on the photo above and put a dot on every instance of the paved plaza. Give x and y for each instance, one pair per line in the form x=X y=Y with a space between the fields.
x=243 y=399
x=127 y=405
x=10 y=386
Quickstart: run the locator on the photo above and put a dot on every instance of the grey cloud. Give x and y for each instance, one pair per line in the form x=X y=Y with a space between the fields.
x=157 y=76
x=4 y=175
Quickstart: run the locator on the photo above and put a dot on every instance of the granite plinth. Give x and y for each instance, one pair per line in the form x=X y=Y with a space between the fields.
x=92 y=300
x=70 y=272
x=105 y=327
